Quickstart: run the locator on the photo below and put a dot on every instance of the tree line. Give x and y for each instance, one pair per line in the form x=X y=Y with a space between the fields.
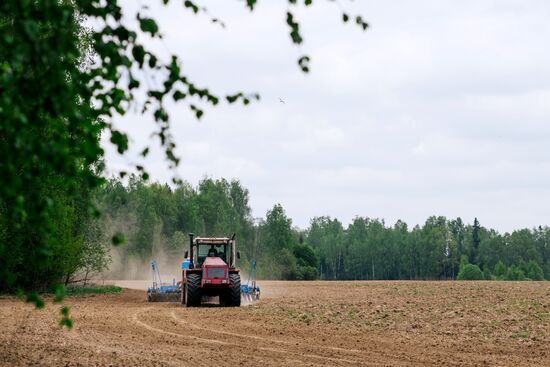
x=441 y=248
x=157 y=218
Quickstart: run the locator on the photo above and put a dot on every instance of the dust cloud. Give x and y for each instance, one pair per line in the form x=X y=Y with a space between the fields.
x=128 y=267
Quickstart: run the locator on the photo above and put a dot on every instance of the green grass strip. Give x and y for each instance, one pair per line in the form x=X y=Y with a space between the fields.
x=100 y=289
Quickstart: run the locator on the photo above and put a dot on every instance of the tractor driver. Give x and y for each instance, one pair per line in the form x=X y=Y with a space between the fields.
x=212 y=252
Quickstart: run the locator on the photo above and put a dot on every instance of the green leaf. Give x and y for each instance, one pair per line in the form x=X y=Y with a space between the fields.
x=191 y=5
x=59 y=293
x=138 y=52
x=118 y=239
x=67 y=322
x=120 y=140
x=64 y=311
x=152 y=60
x=359 y=21
x=148 y=25
x=198 y=111
x=250 y=4
x=178 y=95
x=233 y=98
x=294 y=28
x=133 y=83
x=161 y=115
x=303 y=62
x=33 y=297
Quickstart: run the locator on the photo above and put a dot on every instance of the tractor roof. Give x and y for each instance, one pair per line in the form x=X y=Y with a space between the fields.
x=213 y=240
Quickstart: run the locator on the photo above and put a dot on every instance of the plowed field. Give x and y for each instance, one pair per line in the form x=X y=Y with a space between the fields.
x=295 y=323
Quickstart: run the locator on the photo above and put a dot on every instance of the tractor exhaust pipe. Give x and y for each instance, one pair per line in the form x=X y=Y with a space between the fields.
x=191 y=262
x=233 y=249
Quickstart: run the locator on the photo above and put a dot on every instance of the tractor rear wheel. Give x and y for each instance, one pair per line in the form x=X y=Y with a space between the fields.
x=193 y=296
x=234 y=297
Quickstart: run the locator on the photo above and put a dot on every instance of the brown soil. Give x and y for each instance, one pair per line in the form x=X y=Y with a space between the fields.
x=296 y=323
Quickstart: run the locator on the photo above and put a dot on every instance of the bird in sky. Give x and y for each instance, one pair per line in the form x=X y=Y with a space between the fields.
x=280 y=100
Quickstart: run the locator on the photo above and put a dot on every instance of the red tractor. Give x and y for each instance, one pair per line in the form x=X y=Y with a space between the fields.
x=211 y=271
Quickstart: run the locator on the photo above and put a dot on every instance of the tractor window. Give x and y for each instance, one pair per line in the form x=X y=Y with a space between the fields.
x=211 y=250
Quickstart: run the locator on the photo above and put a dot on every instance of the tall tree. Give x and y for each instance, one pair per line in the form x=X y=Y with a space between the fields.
x=476 y=240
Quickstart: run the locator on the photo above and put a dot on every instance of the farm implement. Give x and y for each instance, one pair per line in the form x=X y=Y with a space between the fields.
x=251 y=291
x=162 y=291
x=208 y=272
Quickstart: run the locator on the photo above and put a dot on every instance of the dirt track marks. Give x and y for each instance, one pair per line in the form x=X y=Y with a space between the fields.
x=135 y=318
x=248 y=336
x=245 y=347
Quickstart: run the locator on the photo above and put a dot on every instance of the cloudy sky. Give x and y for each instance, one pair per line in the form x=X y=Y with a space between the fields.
x=441 y=107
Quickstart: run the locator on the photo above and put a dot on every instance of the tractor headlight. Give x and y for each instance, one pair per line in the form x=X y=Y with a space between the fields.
x=208 y=281
x=224 y=281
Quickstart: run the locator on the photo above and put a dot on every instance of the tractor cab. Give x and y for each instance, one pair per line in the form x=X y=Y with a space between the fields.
x=202 y=248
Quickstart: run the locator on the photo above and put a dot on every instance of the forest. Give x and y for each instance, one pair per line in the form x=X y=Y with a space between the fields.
x=156 y=220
